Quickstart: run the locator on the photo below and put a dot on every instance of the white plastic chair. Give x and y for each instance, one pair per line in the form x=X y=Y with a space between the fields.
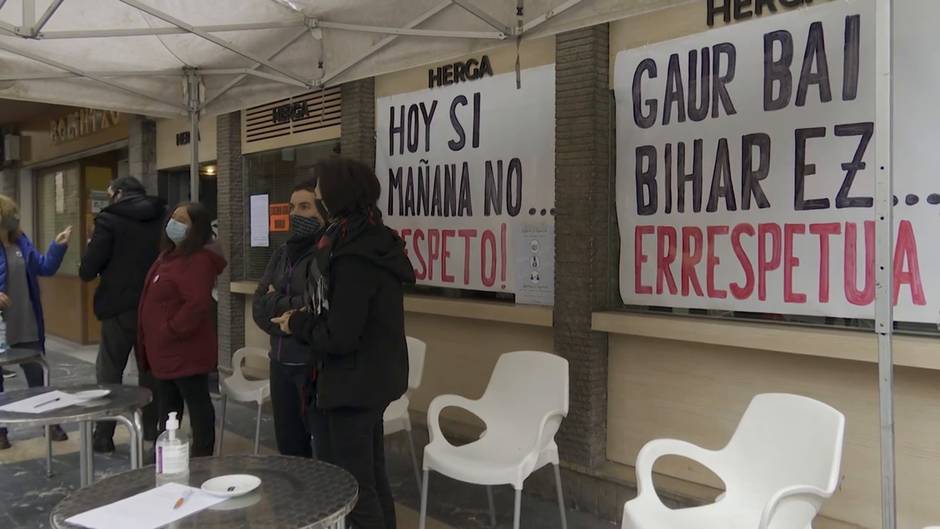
x=240 y=389
x=781 y=464
x=396 y=417
x=523 y=407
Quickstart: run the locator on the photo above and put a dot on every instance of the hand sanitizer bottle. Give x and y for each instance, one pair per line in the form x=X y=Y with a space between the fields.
x=172 y=453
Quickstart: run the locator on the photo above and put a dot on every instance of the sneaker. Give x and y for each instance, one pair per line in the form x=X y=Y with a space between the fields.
x=58 y=434
x=4 y=442
x=103 y=445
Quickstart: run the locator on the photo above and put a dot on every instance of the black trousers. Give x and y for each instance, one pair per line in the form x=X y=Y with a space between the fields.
x=192 y=391
x=289 y=402
x=32 y=370
x=118 y=338
x=353 y=439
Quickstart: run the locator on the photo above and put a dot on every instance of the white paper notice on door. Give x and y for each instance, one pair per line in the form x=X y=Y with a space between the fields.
x=60 y=192
x=259 y=221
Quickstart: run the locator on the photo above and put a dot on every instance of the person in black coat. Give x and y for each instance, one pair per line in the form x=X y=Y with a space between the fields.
x=283 y=288
x=354 y=324
x=123 y=246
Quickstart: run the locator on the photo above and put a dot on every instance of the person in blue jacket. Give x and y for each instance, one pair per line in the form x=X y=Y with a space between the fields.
x=21 y=264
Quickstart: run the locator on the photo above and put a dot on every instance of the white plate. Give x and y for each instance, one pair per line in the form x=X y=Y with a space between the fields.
x=92 y=394
x=232 y=485
x=235 y=504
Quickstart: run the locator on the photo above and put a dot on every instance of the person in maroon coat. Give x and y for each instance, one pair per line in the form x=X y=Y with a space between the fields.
x=177 y=341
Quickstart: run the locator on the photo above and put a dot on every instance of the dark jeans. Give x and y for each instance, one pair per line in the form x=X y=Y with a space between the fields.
x=194 y=392
x=353 y=439
x=32 y=371
x=288 y=402
x=118 y=338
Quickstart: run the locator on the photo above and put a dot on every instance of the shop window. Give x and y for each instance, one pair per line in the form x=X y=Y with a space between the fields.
x=59 y=206
x=274 y=174
x=173 y=186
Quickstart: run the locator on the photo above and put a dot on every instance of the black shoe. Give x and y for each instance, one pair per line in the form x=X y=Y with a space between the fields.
x=4 y=442
x=103 y=445
x=58 y=434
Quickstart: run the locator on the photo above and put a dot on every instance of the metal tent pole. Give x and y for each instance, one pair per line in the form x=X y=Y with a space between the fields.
x=884 y=269
x=192 y=103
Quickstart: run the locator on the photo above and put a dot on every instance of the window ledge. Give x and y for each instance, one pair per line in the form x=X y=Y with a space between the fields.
x=843 y=344
x=534 y=315
x=243 y=287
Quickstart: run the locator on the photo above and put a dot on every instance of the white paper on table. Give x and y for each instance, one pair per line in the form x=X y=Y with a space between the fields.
x=33 y=404
x=147 y=510
x=259 y=221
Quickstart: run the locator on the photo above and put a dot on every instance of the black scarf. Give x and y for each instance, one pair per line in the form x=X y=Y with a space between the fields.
x=340 y=232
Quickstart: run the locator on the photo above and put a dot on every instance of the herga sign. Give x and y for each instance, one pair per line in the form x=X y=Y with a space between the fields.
x=746 y=163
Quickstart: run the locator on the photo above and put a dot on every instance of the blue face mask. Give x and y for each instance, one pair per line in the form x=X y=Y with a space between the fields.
x=176 y=231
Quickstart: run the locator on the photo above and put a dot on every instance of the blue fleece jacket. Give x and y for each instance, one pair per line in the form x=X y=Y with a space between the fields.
x=37 y=265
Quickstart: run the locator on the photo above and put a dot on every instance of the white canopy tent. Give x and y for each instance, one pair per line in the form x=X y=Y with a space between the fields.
x=185 y=58
x=199 y=58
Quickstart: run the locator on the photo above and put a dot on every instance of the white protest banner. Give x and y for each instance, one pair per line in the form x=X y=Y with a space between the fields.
x=459 y=165
x=746 y=163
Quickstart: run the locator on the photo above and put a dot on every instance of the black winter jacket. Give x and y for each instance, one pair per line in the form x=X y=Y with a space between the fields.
x=359 y=344
x=287 y=275
x=123 y=247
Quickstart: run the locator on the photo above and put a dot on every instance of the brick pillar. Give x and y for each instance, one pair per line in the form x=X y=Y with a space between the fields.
x=583 y=205
x=8 y=181
x=358 y=122
x=142 y=151
x=232 y=206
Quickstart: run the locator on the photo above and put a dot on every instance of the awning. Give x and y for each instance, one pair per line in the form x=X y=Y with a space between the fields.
x=140 y=56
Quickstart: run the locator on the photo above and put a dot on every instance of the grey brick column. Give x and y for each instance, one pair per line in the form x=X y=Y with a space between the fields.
x=358 y=121
x=582 y=224
x=8 y=182
x=142 y=151
x=232 y=206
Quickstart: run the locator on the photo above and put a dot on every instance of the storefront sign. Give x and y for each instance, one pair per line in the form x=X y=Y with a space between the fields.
x=460 y=72
x=746 y=163
x=460 y=166
x=745 y=9
x=183 y=138
x=80 y=123
x=289 y=112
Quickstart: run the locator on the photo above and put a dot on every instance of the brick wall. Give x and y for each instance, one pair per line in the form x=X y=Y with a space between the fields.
x=358 y=121
x=142 y=151
x=583 y=205
x=8 y=181
x=232 y=235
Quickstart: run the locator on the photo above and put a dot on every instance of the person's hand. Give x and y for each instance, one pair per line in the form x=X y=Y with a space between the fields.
x=4 y=301
x=271 y=289
x=63 y=238
x=283 y=321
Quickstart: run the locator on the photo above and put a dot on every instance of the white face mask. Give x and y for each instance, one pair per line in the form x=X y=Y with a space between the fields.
x=176 y=231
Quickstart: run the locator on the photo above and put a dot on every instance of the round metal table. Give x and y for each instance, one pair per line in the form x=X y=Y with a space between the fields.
x=295 y=493
x=16 y=356
x=122 y=405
